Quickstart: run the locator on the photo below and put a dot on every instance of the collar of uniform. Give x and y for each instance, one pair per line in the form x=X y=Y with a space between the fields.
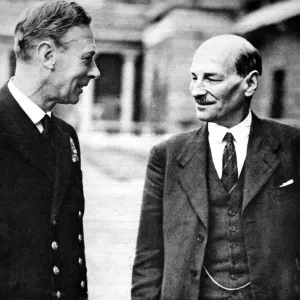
x=240 y=131
x=33 y=111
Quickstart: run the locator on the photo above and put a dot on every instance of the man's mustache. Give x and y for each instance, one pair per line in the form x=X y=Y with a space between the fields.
x=202 y=99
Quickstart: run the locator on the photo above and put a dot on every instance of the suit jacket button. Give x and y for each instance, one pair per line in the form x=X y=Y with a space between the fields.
x=232 y=228
x=80 y=237
x=58 y=294
x=234 y=262
x=54 y=245
x=79 y=214
x=200 y=237
x=54 y=222
x=55 y=270
x=233 y=276
x=232 y=212
x=82 y=284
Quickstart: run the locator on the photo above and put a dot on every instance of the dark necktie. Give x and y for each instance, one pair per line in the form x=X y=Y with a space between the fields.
x=48 y=127
x=230 y=171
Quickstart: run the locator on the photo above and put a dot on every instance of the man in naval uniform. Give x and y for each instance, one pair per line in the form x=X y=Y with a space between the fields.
x=220 y=216
x=41 y=195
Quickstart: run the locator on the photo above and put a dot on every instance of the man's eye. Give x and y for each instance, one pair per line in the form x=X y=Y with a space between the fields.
x=213 y=79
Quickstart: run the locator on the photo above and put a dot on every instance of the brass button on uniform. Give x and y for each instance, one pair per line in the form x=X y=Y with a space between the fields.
x=55 y=270
x=79 y=214
x=80 y=237
x=80 y=261
x=58 y=294
x=82 y=284
x=54 y=245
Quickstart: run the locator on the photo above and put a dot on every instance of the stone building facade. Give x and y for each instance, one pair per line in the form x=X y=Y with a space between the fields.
x=144 y=54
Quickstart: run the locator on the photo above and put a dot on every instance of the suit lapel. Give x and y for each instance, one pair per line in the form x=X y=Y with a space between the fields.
x=63 y=167
x=193 y=177
x=20 y=134
x=260 y=163
x=261 y=160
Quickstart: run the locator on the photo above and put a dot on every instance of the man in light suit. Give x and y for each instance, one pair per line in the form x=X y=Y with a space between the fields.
x=41 y=195
x=220 y=216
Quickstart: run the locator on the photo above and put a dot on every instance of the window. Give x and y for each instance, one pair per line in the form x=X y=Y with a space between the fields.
x=278 y=91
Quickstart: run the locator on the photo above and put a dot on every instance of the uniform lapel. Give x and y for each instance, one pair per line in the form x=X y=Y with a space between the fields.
x=261 y=160
x=193 y=178
x=20 y=134
x=63 y=167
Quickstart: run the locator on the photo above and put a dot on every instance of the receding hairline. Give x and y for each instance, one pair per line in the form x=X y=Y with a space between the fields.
x=227 y=43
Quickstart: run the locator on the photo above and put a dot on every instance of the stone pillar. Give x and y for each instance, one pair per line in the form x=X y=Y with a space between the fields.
x=127 y=93
x=147 y=91
x=86 y=108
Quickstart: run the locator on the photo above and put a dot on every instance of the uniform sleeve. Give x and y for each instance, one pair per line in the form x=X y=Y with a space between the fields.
x=149 y=260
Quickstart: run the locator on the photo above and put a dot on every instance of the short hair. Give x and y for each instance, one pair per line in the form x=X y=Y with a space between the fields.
x=50 y=20
x=248 y=60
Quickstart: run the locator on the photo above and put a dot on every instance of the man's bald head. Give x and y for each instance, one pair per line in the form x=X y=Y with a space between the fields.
x=236 y=51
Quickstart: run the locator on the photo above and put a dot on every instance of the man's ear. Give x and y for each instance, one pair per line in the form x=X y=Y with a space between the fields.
x=251 y=81
x=47 y=54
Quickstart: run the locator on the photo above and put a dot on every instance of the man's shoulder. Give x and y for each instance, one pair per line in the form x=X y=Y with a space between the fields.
x=280 y=130
x=178 y=142
x=65 y=127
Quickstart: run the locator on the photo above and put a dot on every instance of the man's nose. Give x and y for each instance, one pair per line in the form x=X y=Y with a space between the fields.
x=198 y=88
x=94 y=72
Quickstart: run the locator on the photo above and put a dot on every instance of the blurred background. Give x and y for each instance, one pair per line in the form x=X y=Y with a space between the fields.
x=144 y=52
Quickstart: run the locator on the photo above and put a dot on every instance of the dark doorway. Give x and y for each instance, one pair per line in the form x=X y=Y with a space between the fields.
x=107 y=90
x=278 y=91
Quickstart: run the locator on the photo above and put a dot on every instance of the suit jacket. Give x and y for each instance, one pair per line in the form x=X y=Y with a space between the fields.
x=173 y=227
x=41 y=229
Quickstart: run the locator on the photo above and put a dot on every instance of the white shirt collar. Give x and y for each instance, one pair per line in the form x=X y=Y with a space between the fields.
x=240 y=131
x=32 y=110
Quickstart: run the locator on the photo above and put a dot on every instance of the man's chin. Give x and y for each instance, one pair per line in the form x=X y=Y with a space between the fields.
x=204 y=116
x=73 y=99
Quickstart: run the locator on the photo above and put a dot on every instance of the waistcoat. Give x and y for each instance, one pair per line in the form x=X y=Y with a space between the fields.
x=225 y=255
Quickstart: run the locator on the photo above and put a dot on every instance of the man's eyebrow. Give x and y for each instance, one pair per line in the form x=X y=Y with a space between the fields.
x=212 y=74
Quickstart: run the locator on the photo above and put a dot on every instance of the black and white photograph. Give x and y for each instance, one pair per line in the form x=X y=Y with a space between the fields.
x=150 y=149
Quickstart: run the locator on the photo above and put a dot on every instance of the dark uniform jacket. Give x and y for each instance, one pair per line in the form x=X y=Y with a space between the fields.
x=41 y=209
x=174 y=220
